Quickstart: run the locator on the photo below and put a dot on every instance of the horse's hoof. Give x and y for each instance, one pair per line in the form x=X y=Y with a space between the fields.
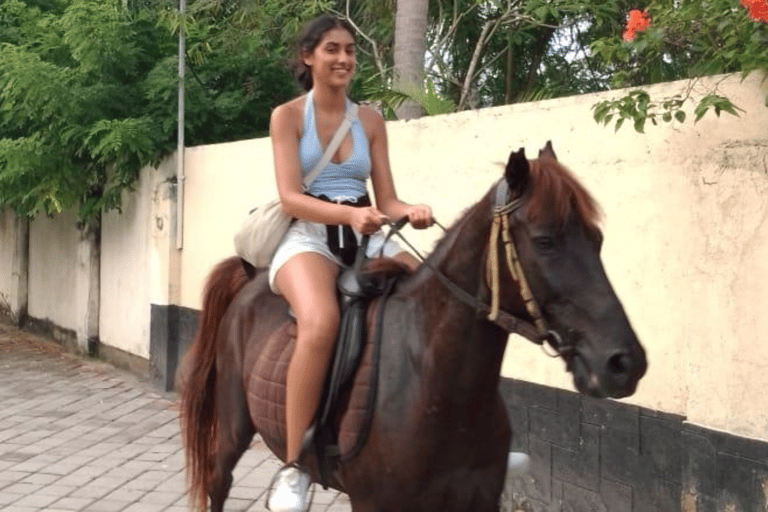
x=518 y=463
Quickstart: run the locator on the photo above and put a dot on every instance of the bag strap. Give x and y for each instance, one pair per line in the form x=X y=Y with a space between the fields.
x=341 y=132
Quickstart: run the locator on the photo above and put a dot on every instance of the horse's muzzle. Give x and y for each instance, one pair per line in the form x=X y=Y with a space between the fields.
x=614 y=375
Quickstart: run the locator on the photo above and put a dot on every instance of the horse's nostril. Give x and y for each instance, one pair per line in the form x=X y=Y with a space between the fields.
x=619 y=364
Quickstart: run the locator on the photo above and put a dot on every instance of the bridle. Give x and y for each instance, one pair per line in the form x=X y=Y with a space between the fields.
x=535 y=331
x=538 y=332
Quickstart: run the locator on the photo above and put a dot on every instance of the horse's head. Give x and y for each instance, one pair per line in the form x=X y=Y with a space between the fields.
x=557 y=239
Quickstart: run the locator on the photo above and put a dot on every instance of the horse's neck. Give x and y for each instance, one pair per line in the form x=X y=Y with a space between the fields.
x=463 y=349
x=459 y=256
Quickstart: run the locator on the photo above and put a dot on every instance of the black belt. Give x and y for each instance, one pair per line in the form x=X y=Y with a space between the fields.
x=342 y=241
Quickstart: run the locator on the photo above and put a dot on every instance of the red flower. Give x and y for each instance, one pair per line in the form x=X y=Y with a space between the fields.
x=758 y=9
x=639 y=21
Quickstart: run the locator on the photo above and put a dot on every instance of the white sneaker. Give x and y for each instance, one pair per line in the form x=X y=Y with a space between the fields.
x=518 y=463
x=289 y=493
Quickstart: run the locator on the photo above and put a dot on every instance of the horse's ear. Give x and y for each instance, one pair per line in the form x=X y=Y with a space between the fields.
x=548 y=152
x=518 y=171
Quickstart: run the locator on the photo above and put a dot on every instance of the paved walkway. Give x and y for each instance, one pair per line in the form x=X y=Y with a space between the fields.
x=81 y=435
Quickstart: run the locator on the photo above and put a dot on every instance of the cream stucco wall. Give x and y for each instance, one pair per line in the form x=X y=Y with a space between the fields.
x=124 y=312
x=686 y=237
x=7 y=243
x=53 y=244
x=686 y=248
x=686 y=242
x=224 y=182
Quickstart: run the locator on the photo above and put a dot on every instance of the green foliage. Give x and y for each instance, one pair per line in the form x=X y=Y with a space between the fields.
x=89 y=88
x=88 y=91
x=73 y=124
x=432 y=103
x=637 y=107
x=485 y=53
x=686 y=40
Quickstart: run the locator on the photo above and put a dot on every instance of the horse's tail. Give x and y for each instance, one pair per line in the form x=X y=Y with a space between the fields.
x=199 y=423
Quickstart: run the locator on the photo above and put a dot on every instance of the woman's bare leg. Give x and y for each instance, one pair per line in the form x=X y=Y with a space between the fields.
x=308 y=282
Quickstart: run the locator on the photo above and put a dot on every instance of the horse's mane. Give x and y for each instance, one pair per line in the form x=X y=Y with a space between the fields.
x=555 y=193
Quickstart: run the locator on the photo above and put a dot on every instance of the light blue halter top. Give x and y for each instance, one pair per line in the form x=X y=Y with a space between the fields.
x=346 y=180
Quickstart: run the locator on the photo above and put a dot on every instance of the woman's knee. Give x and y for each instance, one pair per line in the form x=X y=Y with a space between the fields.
x=318 y=328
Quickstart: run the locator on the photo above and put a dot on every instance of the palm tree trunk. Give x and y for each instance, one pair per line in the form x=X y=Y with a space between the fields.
x=410 y=45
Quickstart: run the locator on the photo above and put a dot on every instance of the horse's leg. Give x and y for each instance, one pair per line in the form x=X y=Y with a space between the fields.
x=235 y=434
x=363 y=506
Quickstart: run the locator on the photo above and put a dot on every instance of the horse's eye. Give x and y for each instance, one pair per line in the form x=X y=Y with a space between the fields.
x=544 y=243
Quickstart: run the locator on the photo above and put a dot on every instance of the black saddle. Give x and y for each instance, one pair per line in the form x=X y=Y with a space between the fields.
x=356 y=291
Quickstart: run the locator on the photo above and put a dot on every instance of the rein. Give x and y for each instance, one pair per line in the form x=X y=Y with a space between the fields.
x=537 y=331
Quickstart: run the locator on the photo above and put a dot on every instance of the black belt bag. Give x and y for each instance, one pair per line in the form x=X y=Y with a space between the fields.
x=342 y=241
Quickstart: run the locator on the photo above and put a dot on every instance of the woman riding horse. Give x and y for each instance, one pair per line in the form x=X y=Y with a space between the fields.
x=331 y=216
x=422 y=425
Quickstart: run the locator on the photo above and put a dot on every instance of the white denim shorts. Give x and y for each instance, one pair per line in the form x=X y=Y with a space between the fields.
x=304 y=236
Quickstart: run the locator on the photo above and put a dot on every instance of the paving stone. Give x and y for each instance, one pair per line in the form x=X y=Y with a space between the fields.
x=80 y=436
x=159 y=498
x=6 y=498
x=108 y=506
x=13 y=476
x=19 y=508
x=124 y=494
x=36 y=500
x=247 y=493
x=91 y=491
x=60 y=470
x=22 y=489
x=56 y=490
x=40 y=478
x=144 y=507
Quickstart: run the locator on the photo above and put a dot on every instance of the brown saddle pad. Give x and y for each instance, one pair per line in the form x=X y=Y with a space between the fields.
x=266 y=391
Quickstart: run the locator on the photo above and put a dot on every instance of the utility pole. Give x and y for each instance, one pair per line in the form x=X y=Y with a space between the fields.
x=180 y=131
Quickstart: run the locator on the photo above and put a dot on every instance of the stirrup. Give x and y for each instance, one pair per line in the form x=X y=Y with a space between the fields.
x=274 y=478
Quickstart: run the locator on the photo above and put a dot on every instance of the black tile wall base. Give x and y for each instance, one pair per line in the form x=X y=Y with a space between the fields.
x=172 y=330
x=587 y=455
x=626 y=458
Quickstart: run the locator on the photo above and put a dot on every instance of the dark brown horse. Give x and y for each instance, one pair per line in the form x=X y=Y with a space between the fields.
x=526 y=255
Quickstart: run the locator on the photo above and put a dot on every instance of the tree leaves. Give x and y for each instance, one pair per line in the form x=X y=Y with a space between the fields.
x=638 y=107
x=685 y=40
x=67 y=109
x=88 y=94
x=717 y=103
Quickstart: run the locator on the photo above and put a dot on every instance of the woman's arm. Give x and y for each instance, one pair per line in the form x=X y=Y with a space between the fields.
x=285 y=132
x=419 y=215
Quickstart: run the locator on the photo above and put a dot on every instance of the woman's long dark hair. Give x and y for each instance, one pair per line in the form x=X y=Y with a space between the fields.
x=310 y=38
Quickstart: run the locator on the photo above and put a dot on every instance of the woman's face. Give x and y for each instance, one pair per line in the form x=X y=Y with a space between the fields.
x=333 y=60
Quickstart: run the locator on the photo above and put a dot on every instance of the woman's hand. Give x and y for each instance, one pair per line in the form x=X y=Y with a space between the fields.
x=420 y=216
x=366 y=220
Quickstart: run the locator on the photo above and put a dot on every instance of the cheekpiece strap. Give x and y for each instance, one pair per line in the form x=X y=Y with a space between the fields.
x=500 y=226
